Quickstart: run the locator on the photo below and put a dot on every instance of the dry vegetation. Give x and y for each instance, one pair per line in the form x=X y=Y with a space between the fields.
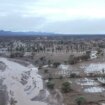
x=48 y=53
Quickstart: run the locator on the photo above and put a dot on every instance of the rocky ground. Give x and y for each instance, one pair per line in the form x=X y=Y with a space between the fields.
x=20 y=84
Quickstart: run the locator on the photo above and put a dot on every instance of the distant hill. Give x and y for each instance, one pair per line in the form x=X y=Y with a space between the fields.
x=86 y=36
x=10 y=33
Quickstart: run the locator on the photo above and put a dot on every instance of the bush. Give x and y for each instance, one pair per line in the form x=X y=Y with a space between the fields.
x=66 y=87
x=50 y=85
x=73 y=75
x=80 y=100
x=61 y=77
x=56 y=64
x=73 y=59
x=46 y=71
x=50 y=77
x=40 y=67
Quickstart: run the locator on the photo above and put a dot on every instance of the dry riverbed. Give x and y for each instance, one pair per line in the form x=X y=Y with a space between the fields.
x=23 y=85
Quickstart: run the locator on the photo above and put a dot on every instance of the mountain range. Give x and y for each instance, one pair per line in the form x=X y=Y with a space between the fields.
x=10 y=33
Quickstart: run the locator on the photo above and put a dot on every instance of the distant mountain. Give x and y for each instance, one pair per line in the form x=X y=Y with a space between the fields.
x=31 y=33
x=10 y=33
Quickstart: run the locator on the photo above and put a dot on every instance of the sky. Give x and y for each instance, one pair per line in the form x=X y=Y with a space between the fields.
x=57 y=16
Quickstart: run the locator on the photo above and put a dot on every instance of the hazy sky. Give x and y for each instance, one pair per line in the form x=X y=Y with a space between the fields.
x=59 y=16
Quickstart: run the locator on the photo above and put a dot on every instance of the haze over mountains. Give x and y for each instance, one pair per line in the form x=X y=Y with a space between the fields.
x=32 y=33
x=10 y=33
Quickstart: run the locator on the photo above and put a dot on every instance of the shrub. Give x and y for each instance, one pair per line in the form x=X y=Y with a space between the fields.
x=46 y=71
x=80 y=100
x=50 y=85
x=61 y=77
x=50 y=77
x=66 y=87
x=73 y=75
x=56 y=64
